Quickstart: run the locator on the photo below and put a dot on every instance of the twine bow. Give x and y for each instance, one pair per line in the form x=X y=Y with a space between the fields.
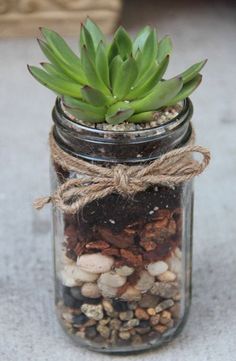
x=94 y=181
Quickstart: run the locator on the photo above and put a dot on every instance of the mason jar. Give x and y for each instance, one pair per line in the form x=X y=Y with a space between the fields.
x=123 y=264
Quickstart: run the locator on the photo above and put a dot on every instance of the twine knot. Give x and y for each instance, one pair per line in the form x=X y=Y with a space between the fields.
x=95 y=181
x=121 y=179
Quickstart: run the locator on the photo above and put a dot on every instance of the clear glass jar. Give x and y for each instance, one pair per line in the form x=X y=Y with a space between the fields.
x=123 y=265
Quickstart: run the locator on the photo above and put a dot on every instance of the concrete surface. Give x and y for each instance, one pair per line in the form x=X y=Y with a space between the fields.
x=29 y=330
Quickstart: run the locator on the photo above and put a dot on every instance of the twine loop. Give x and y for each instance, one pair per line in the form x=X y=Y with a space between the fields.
x=96 y=181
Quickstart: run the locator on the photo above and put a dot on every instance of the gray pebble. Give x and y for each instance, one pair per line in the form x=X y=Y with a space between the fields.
x=149 y=301
x=165 y=290
x=126 y=315
x=164 y=305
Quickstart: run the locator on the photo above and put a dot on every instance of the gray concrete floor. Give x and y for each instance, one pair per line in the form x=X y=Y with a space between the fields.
x=29 y=330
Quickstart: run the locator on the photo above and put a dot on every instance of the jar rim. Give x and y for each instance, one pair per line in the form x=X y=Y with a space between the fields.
x=184 y=115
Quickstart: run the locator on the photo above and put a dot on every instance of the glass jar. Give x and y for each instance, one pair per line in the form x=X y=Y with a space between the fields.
x=123 y=265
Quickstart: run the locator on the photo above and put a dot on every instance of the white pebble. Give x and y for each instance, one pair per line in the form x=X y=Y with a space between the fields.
x=124 y=271
x=157 y=268
x=174 y=264
x=72 y=276
x=90 y=290
x=167 y=276
x=112 y=279
x=95 y=263
x=145 y=281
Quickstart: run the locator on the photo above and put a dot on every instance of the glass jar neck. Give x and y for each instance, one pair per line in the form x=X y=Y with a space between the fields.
x=134 y=146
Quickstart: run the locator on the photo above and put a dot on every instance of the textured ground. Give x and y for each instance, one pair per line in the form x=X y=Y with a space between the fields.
x=29 y=330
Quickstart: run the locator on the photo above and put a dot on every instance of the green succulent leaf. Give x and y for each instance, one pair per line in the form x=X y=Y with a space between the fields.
x=142 y=117
x=145 y=87
x=93 y=96
x=86 y=40
x=125 y=76
x=84 y=111
x=115 y=69
x=102 y=65
x=60 y=48
x=55 y=71
x=75 y=74
x=159 y=96
x=187 y=89
x=191 y=72
x=91 y=73
x=123 y=42
x=118 y=113
x=59 y=86
x=95 y=32
x=141 y=39
x=148 y=55
x=113 y=51
x=165 y=48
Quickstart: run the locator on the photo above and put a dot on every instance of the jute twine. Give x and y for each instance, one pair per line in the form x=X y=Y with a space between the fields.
x=95 y=181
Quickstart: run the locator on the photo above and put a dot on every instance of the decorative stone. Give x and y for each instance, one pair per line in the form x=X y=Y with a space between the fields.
x=141 y=314
x=115 y=324
x=107 y=291
x=151 y=311
x=95 y=263
x=164 y=305
x=94 y=312
x=165 y=290
x=167 y=276
x=175 y=265
x=143 y=330
x=145 y=281
x=80 y=319
x=165 y=317
x=131 y=294
x=157 y=268
x=136 y=340
x=90 y=290
x=178 y=253
x=175 y=310
x=112 y=279
x=104 y=321
x=130 y=324
x=125 y=335
x=126 y=315
x=124 y=271
x=154 y=320
x=104 y=331
x=160 y=328
x=91 y=332
x=148 y=301
x=76 y=293
x=108 y=307
x=120 y=305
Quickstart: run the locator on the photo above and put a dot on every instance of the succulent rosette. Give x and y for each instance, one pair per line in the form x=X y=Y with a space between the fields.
x=121 y=81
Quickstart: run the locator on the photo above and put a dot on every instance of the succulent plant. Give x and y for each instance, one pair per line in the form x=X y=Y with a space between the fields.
x=115 y=82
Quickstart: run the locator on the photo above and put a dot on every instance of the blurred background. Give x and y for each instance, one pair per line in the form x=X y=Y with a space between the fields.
x=199 y=29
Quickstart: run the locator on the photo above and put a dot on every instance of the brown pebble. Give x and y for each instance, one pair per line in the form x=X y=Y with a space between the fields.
x=141 y=314
x=151 y=311
x=124 y=335
x=165 y=317
x=170 y=324
x=175 y=310
x=142 y=330
x=90 y=323
x=148 y=301
x=154 y=320
x=160 y=328
x=136 y=340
